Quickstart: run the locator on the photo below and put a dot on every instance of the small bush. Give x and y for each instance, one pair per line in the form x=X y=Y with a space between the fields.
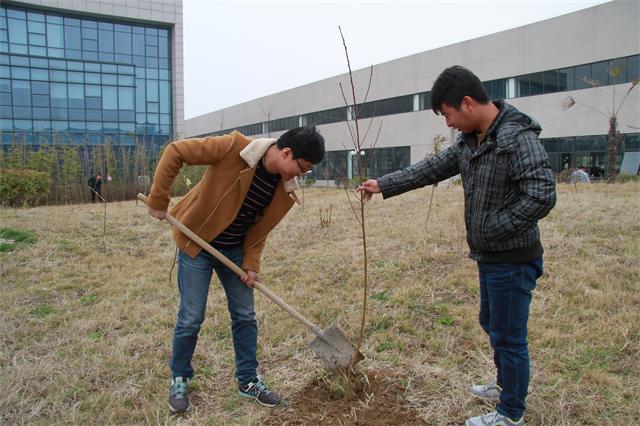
x=20 y=188
x=42 y=311
x=309 y=181
x=10 y=238
x=626 y=177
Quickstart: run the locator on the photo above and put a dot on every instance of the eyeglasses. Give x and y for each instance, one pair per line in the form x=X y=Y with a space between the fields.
x=302 y=171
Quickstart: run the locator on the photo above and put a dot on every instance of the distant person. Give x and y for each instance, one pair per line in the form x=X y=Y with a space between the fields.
x=246 y=191
x=95 y=185
x=580 y=176
x=594 y=171
x=508 y=186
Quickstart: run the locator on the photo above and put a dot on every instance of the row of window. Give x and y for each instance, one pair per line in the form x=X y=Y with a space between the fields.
x=603 y=73
x=59 y=64
x=80 y=138
x=73 y=120
x=56 y=36
x=614 y=71
x=564 y=153
x=147 y=96
x=629 y=142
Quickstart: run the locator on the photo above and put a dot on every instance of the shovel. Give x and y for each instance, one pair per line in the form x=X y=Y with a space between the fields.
x=331 y=345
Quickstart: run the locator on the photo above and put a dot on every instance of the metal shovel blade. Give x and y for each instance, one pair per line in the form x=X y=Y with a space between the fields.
x=335 y=350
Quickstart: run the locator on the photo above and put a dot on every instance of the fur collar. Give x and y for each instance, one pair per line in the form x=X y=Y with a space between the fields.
x=253 y=152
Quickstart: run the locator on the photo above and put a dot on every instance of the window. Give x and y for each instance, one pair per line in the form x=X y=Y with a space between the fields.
x=152 y=90
x=600 y=73
x=565 y=79
x=37 y=39
x=125 y=98
x=17 y=31
x=55 y=36
x=21 y=92
x=536 y=83
x=20 y=72
x=36 y=27
x=58 y=95
x=40 y=100
x=138 y=44
x=163 y=47
x=105 y=41
x=165 y=98
x=551 y=79
x=582 y=75
x=277 y=125
x=76 y=96
x=72 y=39
x=633 y=68
x=109 y=97
x=123 y=43
x=499 y=89
x=40 y=88
x=76 y=114
x=91 y=77
x=632 y=142
x=522 y=86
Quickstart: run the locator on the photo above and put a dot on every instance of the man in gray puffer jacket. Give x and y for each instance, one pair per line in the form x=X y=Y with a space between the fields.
x=508 y=187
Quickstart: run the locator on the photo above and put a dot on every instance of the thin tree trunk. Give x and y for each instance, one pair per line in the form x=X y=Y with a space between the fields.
x=612 y=148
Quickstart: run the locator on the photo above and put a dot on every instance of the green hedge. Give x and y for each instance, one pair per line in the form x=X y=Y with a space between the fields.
x=20 y=188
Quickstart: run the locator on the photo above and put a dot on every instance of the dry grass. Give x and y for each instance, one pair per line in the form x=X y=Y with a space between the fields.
x=87 y=322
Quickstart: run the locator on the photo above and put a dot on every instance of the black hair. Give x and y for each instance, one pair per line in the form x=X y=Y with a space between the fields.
x=305 y=142
x=453 y=84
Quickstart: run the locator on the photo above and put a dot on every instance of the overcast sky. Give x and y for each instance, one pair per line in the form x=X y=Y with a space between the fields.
x=236 y=51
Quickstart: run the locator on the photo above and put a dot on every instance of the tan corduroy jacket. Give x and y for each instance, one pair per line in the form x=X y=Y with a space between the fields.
x=214 y=202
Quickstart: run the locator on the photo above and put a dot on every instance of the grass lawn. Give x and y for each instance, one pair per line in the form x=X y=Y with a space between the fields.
x=87 y=319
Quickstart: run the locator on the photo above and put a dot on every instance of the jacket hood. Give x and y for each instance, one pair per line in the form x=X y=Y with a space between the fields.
x=511 y=122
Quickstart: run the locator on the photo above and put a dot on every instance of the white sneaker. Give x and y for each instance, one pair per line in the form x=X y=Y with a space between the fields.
x=490 y=391
x=494 y=419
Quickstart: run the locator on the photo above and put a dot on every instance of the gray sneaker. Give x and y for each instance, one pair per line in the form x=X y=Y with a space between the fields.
x=490 y=391
x=494 y=419
x=256 y=389
x=178 y=395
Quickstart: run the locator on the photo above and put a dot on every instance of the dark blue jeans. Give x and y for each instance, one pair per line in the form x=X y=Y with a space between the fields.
x=505 y=296
x=194 y=276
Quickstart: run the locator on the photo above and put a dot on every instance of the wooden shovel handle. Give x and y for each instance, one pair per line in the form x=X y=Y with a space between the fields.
x=235 y=268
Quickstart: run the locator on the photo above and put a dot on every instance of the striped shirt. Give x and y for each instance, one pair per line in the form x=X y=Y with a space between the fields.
x=260 y=194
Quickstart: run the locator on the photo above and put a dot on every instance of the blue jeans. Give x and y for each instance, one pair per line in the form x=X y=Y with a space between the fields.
x=505 y=296
x=194 y=276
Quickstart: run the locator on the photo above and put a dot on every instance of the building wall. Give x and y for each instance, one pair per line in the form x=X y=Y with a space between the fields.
x=595 y=34
x=156 y=12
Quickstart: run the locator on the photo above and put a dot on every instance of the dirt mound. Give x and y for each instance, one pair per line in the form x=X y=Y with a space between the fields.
x=369 y=398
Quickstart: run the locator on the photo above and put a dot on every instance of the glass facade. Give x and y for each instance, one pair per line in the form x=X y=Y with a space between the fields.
x=83 y=79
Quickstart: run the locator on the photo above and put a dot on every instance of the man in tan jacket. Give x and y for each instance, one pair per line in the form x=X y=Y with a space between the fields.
x=245 y=192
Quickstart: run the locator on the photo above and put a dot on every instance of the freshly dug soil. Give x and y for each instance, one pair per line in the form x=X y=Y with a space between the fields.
x=370 y=398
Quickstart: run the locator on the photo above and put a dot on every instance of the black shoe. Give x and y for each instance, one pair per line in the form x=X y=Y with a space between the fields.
x=178 y=396
x=257 y=390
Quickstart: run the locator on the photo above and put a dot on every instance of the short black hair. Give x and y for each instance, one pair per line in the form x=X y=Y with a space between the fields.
x=305 y=142
x=453 y=84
